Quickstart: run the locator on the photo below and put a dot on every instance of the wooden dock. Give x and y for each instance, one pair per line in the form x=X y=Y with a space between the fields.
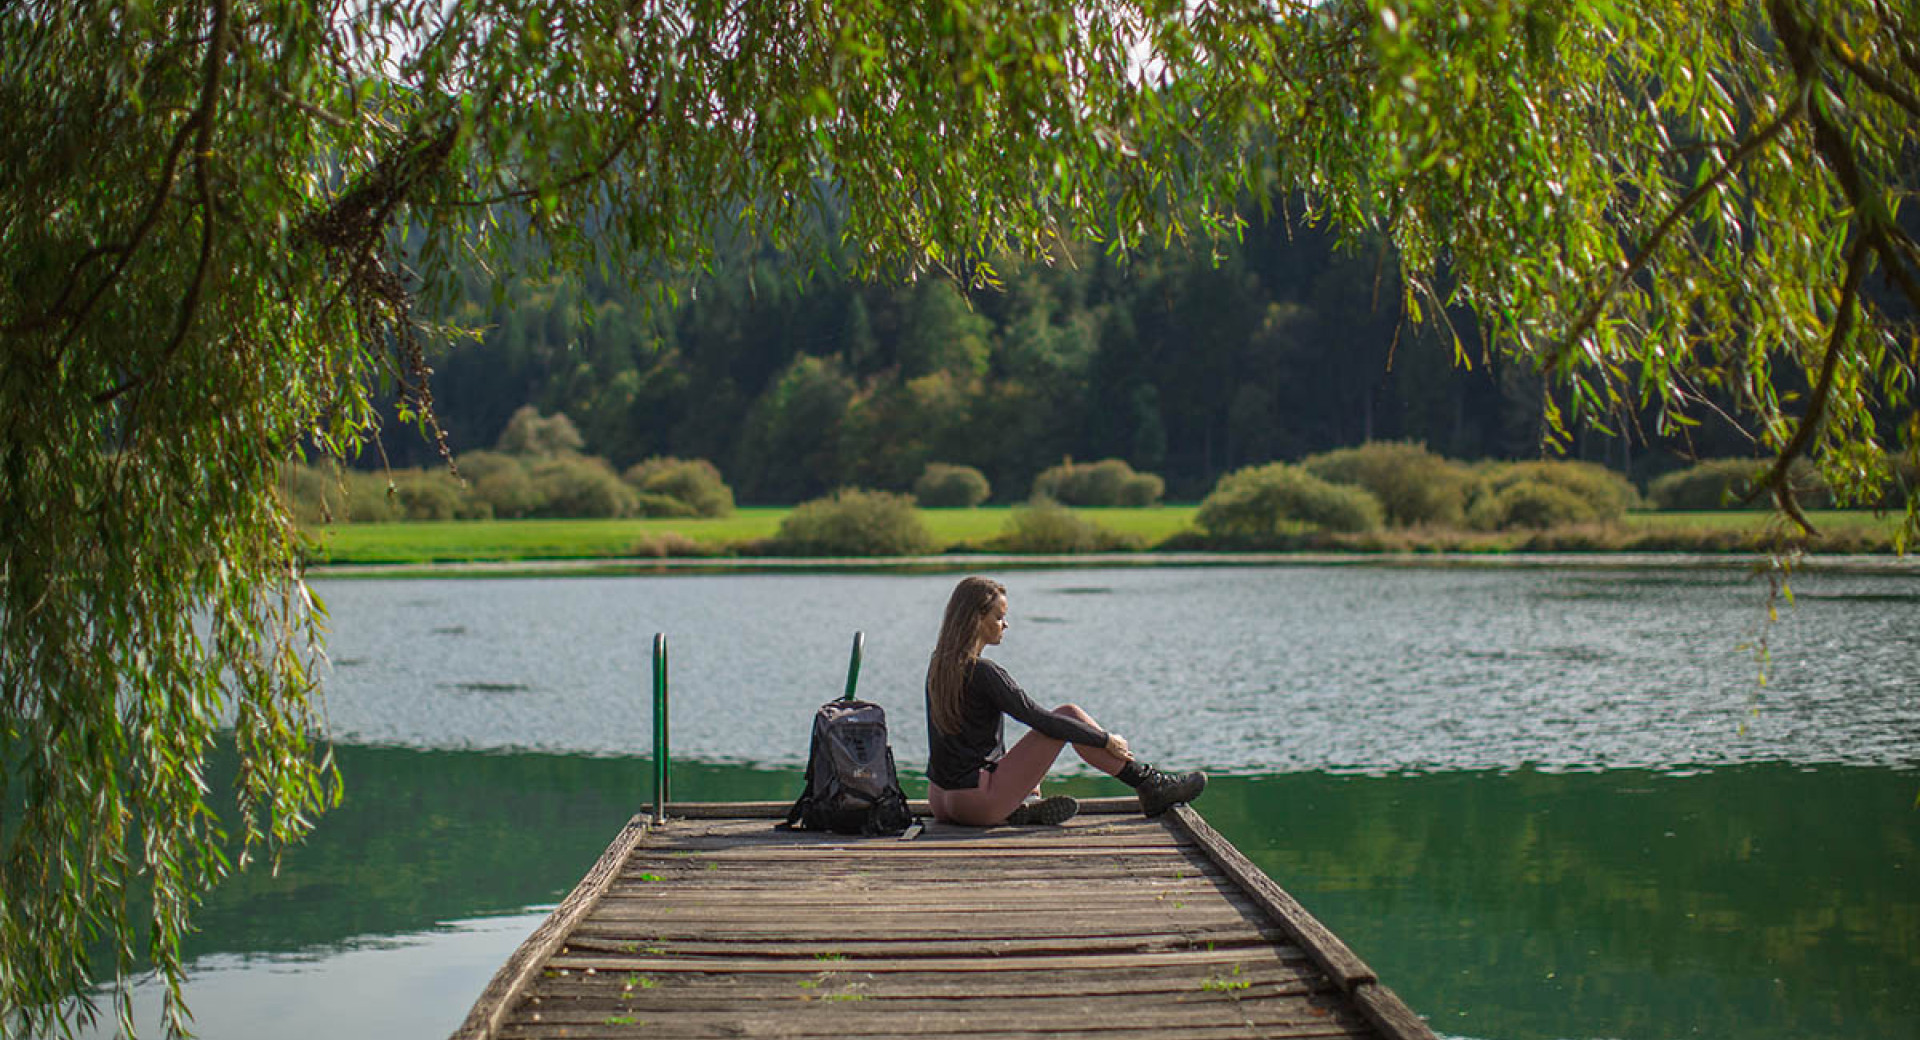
x=715 y=924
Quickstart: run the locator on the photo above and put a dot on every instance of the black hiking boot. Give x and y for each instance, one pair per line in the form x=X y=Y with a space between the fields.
x=1162 y=791
x=1046 y=812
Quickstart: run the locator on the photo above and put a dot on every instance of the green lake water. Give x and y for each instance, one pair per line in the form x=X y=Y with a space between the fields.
x=1540 y=805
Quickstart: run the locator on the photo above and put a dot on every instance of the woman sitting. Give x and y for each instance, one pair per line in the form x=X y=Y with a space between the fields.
x=972 y=779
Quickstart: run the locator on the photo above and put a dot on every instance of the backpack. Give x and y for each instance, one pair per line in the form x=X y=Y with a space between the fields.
x=851 y=784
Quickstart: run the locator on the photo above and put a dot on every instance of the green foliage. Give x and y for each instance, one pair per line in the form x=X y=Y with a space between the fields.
x=1605 y=494
x=530 y=433
x=1048 y=527
x=1530 y=503
x=1413 y=485
x=213 y=218
x=579 y=486
x=1734 y=484
x=1262 y=502
x=691 y=487
x=1109 y=482
x=503 y=483
x=945 y=486
x=853 y=522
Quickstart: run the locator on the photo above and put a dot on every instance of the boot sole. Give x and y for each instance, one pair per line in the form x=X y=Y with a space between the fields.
x=1047 y=812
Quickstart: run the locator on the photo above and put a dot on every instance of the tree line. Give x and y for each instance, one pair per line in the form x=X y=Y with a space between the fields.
x=1182 y=361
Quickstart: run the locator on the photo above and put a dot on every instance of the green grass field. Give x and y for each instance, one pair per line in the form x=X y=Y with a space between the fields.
x=495 y=540
x=479 y=541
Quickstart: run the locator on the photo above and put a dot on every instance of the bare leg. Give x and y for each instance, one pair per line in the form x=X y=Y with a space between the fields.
x=1018 y=774
x=1099 y=758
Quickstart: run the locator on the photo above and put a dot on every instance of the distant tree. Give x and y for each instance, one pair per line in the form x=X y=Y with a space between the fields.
x=530 y=433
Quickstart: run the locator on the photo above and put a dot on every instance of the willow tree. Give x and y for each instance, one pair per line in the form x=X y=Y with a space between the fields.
x=224 y=225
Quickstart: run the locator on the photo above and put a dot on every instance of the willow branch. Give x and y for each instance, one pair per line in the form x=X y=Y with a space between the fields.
x=202 y=158
x=1776 y=478
x=1585 y=322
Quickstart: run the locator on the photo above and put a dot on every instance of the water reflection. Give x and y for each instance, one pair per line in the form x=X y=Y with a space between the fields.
x=1763 y=900
x=1544 y=804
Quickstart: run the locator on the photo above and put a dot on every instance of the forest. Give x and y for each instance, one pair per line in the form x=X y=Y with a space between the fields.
x=1185 y=360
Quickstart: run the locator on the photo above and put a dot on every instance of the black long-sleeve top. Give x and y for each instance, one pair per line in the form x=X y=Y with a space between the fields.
x=955 y=759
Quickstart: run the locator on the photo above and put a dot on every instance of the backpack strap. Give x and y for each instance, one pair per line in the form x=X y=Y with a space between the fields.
x=801 y=804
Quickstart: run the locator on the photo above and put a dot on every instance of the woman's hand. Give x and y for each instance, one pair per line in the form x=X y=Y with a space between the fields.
x=1117 y=745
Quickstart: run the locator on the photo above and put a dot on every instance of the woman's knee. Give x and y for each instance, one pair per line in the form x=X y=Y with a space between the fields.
x=1075 y=711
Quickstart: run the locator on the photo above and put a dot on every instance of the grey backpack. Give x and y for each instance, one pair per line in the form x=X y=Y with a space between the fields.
x=851 y=784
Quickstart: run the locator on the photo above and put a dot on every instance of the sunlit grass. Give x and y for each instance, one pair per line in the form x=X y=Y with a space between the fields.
x=974 y=530
x=443 y=541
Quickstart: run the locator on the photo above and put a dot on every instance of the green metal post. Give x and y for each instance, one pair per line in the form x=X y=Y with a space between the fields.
x=853 y=665
x=659 y=727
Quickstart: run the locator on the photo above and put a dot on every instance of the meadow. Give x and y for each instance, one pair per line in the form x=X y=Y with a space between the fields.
x=962 y=530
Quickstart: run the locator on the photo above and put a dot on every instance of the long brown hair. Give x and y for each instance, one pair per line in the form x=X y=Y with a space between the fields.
x=954 y=654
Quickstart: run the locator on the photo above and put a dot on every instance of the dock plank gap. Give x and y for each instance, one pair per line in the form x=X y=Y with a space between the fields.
x=716 y=924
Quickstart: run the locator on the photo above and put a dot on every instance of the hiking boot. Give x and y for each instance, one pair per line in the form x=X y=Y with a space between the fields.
x=1162 y=791
x=1046 y=812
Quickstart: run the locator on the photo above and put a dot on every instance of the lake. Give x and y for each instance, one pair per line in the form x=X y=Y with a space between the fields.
x=1542 y=803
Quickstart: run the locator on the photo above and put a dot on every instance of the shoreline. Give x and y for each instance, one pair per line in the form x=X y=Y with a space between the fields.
x=1870 y=564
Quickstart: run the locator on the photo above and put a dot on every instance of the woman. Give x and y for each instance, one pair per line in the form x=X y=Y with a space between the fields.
x=971 y=778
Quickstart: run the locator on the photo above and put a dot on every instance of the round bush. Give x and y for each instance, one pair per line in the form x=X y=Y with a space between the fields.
x=1726 y=484
x=1109 y=482
x=368 y=500
x=1608 y=495
x=1048 y=527
x=1260 y=501
x=427 y=495
x=852 y=522
x=1141 y=490
x=1414 y=485
x=944 y=486
x=507 y=490
x=574 y=486
x=695 y=482
x=1532 y=504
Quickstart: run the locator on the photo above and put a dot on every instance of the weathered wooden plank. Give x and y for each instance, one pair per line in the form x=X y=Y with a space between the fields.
x=851 y=1016
x=507 y=985
x=662 y=1029
x=1015 y=988
x=1388 y=1013
x=908 y=850
x=1334 y=955
x=1012 y=929
x=605 y=961
x=1106 y=926
x=654 y=1030
x=1119 y=804
x=919 y=946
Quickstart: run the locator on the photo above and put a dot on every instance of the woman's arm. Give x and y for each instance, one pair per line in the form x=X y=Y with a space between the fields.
x=992 y=681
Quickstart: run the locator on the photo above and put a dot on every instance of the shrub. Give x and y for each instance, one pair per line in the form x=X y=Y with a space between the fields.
x=944 y=486
x=428 y=495
x=696 y=483
x=1141 y=490
x=507 y=490
x=1048 y=527
x=1725 y=483
x=573 y=486
x=1109 y=482
x=1414 y=485
x=852 y=522
x=313 y=496
x=649 y=504
x=1260 y=501
x=1532 y=504
x=1607 y=494
x=369 y=500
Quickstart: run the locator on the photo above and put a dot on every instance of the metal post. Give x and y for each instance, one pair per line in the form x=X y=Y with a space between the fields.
x=853 y=664
x=660 y=727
